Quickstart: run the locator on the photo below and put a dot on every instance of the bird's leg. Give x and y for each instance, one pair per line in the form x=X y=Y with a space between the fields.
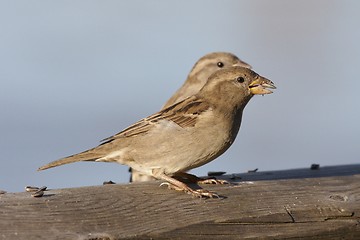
x=194 y=179
x=180 y=186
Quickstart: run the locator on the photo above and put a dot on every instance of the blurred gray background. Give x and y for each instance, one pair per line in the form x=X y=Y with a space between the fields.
x=75 y=72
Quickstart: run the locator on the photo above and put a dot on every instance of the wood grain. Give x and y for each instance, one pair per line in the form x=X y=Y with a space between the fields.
x=299 y=203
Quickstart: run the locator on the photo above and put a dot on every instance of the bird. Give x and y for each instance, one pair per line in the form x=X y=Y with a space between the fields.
x=201 y=71
x=186 y=135
x=196 y=79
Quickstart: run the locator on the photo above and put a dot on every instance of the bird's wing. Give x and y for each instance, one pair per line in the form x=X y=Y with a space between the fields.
x=184 y=114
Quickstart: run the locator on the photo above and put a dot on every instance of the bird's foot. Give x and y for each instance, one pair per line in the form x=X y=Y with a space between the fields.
x=171 y=186
x=194 y=179
x=200 y=193
x=212 y=181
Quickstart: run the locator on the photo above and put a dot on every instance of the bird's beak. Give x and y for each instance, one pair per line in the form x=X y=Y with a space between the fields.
x=260 y=86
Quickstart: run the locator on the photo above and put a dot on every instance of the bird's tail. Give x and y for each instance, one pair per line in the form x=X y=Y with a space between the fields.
x=88 y=155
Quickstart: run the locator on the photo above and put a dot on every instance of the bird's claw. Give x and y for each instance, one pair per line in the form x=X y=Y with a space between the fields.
x=212 y=181
x=200 y=193
x=171 y=186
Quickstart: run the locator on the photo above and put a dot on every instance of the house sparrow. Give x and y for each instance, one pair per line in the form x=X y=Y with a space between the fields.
x=201 y=71
x=196 y=79
x=185 y=135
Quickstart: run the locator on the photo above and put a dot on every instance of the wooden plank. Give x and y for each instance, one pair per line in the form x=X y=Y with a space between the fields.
x=302 y=203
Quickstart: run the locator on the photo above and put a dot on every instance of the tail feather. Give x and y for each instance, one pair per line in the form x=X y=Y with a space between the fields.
x=89 y=155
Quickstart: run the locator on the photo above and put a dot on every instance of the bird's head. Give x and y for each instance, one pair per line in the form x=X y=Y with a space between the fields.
x=213 y=62
x=235 y=86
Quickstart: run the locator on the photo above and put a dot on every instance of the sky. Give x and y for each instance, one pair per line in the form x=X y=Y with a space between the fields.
x=75 y=72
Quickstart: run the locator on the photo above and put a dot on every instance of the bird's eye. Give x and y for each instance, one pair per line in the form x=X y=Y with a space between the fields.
x=220 y=64
x=240 y=79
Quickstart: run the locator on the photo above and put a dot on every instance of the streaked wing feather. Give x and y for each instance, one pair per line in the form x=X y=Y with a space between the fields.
x=184 y=114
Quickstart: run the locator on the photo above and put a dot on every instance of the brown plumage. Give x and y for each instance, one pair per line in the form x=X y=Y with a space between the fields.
x=196 y=79
x=185 y=135
x=201 y=71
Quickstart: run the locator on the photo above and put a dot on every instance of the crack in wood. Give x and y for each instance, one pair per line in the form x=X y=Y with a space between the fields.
x=289 y=213
x=350 y=215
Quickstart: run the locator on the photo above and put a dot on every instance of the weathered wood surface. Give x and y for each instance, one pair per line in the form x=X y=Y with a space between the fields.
x=300 y=203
